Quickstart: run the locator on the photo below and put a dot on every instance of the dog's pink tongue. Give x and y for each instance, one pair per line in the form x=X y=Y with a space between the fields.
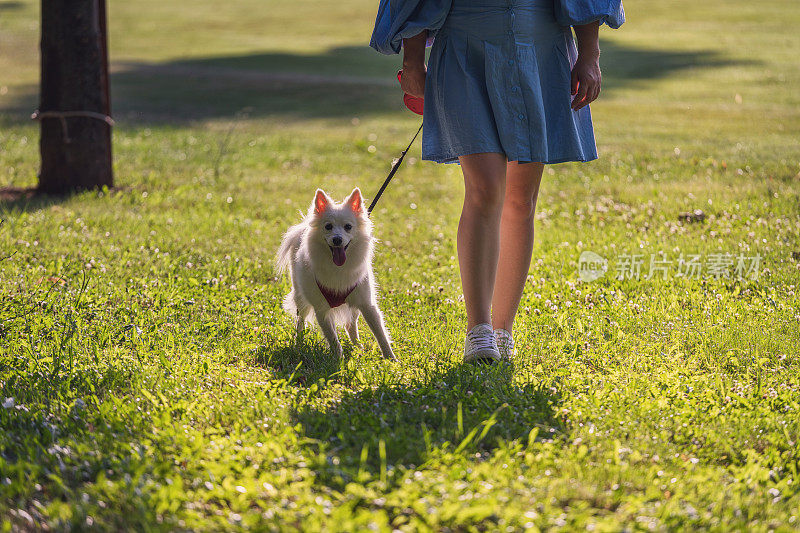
x=338 y=255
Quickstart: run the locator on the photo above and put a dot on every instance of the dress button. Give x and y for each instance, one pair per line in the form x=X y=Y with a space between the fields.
x=520 y=116
x=514 y=89
x=510 y=62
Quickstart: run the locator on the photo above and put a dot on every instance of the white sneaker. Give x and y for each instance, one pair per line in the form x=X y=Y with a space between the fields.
x=480 y=345
x=505 y=343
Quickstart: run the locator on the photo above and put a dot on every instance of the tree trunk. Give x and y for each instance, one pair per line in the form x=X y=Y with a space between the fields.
x=75 y=139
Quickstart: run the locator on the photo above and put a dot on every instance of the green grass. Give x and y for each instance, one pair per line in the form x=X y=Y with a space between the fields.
x=148 y=375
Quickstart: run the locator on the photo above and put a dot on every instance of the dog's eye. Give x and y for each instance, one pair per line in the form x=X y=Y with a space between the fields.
x=328 y=226
x=348 y=227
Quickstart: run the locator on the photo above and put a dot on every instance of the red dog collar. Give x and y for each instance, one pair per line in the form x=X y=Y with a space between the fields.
x=333 y=297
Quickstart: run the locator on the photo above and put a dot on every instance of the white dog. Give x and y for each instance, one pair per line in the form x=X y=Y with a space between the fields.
x=329 y=255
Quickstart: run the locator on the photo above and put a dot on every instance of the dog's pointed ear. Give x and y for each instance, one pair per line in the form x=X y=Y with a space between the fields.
x=355 y=202
x=322 y=202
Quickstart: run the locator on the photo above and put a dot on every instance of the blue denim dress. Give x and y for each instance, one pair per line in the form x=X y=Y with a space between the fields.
x=499 y=76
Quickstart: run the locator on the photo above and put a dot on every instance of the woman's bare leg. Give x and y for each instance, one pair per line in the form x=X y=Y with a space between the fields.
x=479 y=231
x=516 y=240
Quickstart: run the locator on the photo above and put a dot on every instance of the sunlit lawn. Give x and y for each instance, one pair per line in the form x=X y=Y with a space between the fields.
x=148 y=377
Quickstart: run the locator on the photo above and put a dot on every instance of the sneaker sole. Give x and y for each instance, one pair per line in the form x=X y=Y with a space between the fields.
x=482 y=357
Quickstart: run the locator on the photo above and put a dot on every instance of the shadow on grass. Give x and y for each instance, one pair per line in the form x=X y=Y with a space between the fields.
x=305 y=362
x=28 y=199
x=465 y=408
x=435 y=409
x=25 y=200
x=310 y=360
x=10 y=5
x=625 y=65
x=342 y=82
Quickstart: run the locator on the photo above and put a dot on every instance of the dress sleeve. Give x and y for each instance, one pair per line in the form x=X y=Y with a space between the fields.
x=579 y=12
x=401 y=19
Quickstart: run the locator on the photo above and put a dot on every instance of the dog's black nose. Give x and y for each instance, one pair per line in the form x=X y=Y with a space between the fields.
x=337 y=241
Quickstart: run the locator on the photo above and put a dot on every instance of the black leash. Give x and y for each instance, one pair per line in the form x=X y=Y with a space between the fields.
x=392 y=172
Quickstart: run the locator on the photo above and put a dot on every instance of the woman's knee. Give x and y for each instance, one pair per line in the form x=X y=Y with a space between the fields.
x=484 y=181
x=519 y=206
x=484 y=194
x=522 y=189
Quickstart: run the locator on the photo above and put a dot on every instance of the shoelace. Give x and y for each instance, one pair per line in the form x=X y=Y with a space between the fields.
x=480 y=339
x=505 y=343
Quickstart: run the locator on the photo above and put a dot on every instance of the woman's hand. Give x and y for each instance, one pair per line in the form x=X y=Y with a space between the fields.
x=412 y=81
x=586 y=76
x=586 y=81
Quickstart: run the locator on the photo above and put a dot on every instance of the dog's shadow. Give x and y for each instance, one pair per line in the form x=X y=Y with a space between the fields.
x=308 y=359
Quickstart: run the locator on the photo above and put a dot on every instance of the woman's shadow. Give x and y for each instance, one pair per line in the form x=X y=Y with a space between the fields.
x=389 y=419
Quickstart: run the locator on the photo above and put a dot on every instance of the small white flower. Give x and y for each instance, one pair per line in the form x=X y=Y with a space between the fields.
x=8 y=403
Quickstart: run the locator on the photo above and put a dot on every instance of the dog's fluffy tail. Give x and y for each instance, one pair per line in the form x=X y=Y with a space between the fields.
x=289 y=245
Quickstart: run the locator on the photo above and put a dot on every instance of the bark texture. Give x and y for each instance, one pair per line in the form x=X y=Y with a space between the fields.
x=75 y=150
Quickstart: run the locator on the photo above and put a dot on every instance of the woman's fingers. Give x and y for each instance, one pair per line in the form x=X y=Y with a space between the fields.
x=591 y=94
x=586 y=75
x=596 y=92
x=412 y=86
x=413 y=82
x=574 y=84
x=580 y=95
x=588 y=91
